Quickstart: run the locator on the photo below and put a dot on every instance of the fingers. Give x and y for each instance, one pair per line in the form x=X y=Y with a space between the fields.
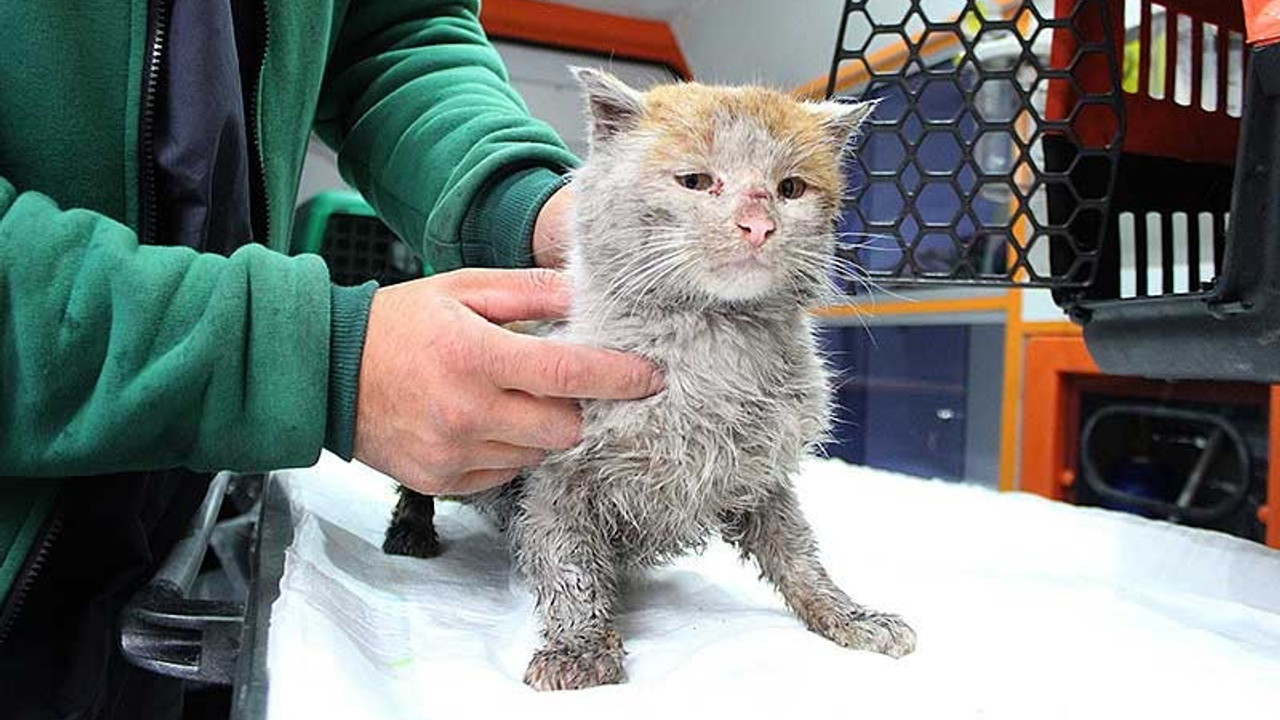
x=492 y=455
x=483 y=465
x=551 y=368
x=503 y=296
x=477 y=480
x=533 y=422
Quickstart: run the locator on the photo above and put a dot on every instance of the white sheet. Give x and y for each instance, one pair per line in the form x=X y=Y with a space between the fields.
x=1025 y=609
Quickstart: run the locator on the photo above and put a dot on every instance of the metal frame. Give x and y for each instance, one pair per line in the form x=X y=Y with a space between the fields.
x=166 y=631
x=275 y=534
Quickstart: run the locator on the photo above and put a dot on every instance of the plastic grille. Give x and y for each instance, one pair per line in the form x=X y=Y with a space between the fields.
x=961 y=175
x=359 y=248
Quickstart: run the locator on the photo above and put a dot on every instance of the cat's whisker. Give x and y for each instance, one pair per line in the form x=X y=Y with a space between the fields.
x=859 y=233
x=635 y=284
x=662 y=274
x=869 y=245
x=872 y=248
x=847 y=270
x=861 y=317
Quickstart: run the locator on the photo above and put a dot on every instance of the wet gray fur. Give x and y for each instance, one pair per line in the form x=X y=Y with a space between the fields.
x=746 y=398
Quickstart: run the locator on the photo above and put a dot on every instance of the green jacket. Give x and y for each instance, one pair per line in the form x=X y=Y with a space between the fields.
x=116 y=356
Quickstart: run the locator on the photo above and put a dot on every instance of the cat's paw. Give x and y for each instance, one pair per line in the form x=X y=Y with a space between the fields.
x=562 y=667
x=862 y=629
x=411 y=540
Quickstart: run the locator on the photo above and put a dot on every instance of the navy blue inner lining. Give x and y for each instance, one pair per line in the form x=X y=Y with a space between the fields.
x=202 y=147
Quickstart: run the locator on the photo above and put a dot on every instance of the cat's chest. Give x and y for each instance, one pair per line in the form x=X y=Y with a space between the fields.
x=742 y=403
x=735 y=391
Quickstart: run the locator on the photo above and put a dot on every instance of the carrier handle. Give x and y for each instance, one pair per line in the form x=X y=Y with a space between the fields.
x=1182 y=510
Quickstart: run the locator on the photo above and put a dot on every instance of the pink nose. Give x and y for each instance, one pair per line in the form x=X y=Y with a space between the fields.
x=756 y=229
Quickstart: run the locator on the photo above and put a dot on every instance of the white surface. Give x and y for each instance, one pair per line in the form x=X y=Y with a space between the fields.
x=1024 y=609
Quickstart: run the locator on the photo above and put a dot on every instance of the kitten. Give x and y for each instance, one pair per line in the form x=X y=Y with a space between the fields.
x=704 y=230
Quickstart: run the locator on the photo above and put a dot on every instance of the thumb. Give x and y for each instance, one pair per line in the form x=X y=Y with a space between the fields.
x=503 y=296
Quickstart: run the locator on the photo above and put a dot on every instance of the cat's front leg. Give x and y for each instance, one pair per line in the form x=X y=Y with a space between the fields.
x=572 y=570
x=777 y=535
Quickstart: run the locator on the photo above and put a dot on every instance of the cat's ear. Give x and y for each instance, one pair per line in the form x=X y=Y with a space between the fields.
x=842 y=120
x=614 y=106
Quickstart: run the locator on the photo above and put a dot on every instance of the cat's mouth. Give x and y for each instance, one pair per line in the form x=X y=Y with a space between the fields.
x=745 y=263
x=740 y=277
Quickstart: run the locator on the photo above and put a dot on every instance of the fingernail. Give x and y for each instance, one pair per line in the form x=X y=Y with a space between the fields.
x=657 y=382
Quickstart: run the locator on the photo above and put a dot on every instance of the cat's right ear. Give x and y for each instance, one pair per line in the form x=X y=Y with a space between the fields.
x=614 y=106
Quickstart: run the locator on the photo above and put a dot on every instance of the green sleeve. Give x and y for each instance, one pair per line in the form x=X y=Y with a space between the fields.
x=417 y=104
x=348 y=321
x=117 y=356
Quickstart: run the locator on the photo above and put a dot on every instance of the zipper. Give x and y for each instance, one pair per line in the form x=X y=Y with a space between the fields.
x=260 y=211
x=153 y=66
x=35 y=561
x=148 y=220
x=157 y=41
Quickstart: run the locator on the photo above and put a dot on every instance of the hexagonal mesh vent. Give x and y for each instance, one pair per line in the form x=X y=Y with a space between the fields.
x=962 y=175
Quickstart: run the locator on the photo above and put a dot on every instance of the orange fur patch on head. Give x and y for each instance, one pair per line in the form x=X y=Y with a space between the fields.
x=686 y=117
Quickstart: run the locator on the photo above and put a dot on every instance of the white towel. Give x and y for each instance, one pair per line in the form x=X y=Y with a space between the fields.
x=1024 y=609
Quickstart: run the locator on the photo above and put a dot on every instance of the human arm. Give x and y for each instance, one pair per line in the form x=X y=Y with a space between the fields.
x=119 y=356
x=417 y=104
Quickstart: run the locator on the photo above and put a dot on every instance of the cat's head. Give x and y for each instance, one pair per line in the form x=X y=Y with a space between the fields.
x=706 y=195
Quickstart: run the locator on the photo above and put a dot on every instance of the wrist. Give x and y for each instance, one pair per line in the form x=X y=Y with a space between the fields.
x=551 y=232
x=500 y=229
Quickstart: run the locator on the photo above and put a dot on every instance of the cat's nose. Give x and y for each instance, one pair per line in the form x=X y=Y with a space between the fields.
x=756 y=229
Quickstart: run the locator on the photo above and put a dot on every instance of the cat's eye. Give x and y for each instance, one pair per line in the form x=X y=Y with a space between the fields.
x=695 y=181
x=791 y=188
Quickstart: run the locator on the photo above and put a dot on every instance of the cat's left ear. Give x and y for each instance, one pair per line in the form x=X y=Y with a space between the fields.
x=842 y=120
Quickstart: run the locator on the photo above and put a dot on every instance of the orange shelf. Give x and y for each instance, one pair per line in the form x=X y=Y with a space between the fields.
x=917 y=307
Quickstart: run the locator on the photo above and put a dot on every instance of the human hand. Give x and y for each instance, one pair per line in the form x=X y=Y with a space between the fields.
x=551 y=230
x=451 y=403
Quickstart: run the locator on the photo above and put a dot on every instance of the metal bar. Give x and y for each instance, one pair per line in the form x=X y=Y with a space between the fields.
x=1197 y=61
x=1141 y=258
x=1196 y=477
x=1144 y=50
x=182 y=565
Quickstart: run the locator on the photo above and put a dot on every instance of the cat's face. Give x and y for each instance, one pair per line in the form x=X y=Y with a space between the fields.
x=712 y=194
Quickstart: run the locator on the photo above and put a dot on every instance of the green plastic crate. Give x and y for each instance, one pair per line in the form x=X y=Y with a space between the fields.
x=341 y=227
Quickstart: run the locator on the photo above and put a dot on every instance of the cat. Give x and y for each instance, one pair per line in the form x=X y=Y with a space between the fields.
x=703 y=233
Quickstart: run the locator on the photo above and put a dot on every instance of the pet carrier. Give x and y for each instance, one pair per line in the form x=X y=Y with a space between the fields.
x=1118 y=153
x=356 y=245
